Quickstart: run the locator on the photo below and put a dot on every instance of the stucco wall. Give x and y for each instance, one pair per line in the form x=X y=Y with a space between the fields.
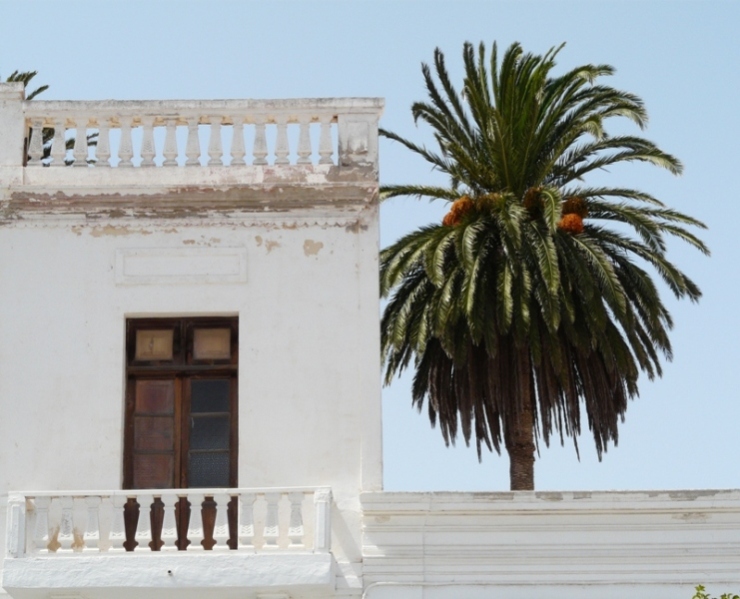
x=305 y=289
x=307 y=321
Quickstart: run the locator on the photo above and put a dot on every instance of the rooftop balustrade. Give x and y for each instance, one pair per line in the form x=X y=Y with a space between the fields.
x=182 y=143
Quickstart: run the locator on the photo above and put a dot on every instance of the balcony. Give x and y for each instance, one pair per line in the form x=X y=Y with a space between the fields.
x=93 y=543
x=184 y=156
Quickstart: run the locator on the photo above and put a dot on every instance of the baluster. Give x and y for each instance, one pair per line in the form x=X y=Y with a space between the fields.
x=91 y=537
x=80 y=150
x=325 y=146
x=66 y=537
x=295 y=528
x=221 y=528
x=148 y=150
x=41 y=526
x=272 y=526
x=169 y=524
x=36 y=143
x=59 y=144
x=192 y=147
x=118 y=525
x=322 y=531
x=214 y=143
x=144 y=525
x=126 y=147
x=260 y=142
x=170 y=144
x=281 y=142
x=304 y=140
x=195 y=526
x=102 y=149
x=237 y=143
x=246 y=521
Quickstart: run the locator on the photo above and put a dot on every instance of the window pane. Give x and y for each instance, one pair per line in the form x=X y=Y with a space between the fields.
x=209 y=395
x=155 y=397
x=154 y=471
x=212 y=344
x=154 y=345
x=154 y=433
x=209 y=432
x=208 y=469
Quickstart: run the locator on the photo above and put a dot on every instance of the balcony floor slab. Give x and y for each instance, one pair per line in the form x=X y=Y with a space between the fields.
x=178 y=575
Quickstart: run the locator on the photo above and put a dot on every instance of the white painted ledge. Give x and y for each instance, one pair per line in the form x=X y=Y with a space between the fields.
x=180 y=575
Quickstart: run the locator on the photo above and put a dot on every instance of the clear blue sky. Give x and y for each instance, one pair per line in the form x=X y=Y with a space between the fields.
x=683 y=58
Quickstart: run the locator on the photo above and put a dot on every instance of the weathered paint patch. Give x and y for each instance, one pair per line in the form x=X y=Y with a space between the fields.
x=189 y=201
x=356 y=227
x=271 y=245
x=311 y=247
x=258 y=239
x=692 y=516
x=114 y=231
x=550 y=496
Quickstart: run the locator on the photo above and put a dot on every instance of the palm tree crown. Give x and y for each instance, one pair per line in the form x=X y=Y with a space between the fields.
x=531 y=301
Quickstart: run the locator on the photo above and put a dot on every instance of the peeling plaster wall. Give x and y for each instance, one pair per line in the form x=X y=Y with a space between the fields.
x=304 y=285
x=307 y=318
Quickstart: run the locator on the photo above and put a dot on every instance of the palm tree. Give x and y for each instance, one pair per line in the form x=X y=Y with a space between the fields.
x=25 y=78
x=533 y=301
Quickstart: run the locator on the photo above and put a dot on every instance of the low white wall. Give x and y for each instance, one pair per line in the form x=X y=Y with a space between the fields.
x=651 y=545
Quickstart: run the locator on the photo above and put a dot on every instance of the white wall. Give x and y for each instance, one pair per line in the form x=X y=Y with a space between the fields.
x=304 y=285
x=307 y=324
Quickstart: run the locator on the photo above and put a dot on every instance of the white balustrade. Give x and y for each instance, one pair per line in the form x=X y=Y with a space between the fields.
x=126 y=149
x=272 y=527
x=91 y=538
x=295 y=529
x=145 y=134
x=260 y=142
x=170 y=144
x=266 y=519
x=59 y=143
x=246 y=521
x=147 y=143
x=221 y=528
x=117 y=536
x=144 y=524
x=168 y=535
x=281 y=143
x=214 y=143
x=65 y=534
x=40 y=532
x=36 y=145
x=196 y=532
x=80 y=149
x=102 y=150
x=192 y=148
x=322 y=533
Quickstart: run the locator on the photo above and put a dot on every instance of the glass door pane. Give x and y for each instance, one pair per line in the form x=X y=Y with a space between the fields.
x=209 y=460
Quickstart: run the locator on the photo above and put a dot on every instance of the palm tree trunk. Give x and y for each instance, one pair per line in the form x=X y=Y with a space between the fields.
x=519 y=434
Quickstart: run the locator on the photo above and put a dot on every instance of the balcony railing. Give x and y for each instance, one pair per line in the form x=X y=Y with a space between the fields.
x=245 y=520
x=187 y=133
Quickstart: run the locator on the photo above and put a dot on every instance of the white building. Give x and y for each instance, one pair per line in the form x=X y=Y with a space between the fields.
x=189 y=332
